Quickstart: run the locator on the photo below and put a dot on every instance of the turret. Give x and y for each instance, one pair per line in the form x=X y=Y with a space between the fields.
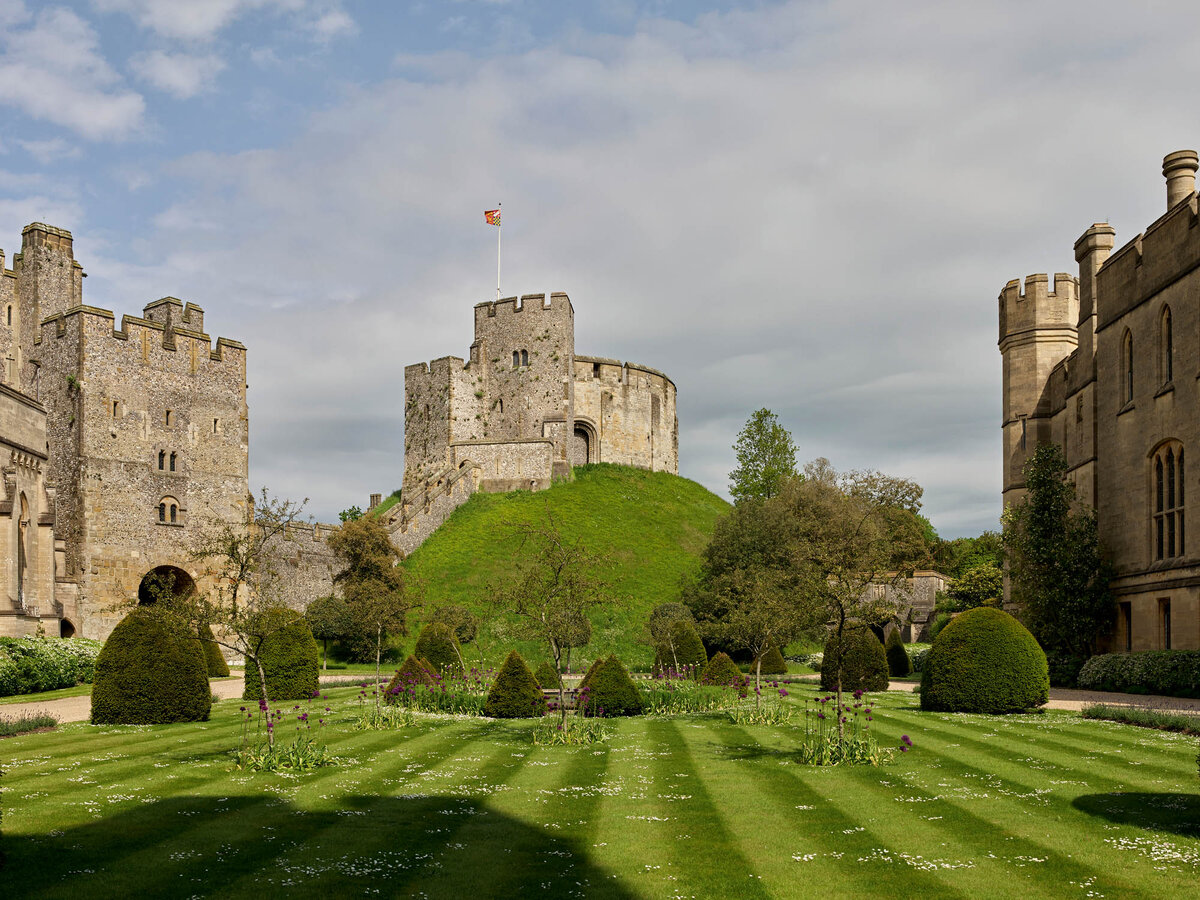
x=49 y=280
x=1179 y=168
x=1038 y=329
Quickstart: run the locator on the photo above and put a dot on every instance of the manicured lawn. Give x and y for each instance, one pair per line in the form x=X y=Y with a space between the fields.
x=1044 y=805
x=79 y=690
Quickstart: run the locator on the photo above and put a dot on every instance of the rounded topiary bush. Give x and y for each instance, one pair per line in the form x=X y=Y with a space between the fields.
x=547 y=676
x=722 y=670
x=899 y=665
x=289 y=659
x=860 y=660
x=515 y=693
x=772 y=663
x=437 y=645
x=609 y=691
x=213 y=657
x=411 y=674
x=984 y=661
x=150 y=672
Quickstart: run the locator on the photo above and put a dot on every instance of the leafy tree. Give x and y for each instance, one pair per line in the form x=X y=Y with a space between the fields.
x=464 y=623
x=660 y=628
x=329 y=619
x=1058 y=572
x=555 y=584
x=244 y=562
x=353 y=514
x=372 y=583
x=958 y=556
x=980 y=586
x=766 y=457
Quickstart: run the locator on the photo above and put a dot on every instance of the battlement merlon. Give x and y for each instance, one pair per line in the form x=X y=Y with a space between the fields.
x=173 y=311
x=607 y=362
x=59 y=323
x=1038 y=308
x=1092 y=250
x=509 y=306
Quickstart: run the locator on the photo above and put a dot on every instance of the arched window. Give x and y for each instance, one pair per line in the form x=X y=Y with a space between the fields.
x=516 y=358
x=173 y=509
x=524 y=357
x=168 y=511
x=1166 y=347
x=1127 y=368
x=1167 y=503
x=172 y=462
x=162 y=512
x=162 y=459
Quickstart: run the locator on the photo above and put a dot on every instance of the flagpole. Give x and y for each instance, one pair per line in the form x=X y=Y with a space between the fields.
x=498 y=230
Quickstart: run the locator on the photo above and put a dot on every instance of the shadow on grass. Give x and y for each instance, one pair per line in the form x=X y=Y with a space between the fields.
x=1176 y=813
x=251 y=846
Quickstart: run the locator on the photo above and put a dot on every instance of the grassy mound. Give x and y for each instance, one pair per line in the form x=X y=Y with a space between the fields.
x=652 y=525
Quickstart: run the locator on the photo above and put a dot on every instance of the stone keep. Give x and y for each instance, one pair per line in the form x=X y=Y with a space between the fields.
x=146 y=438
x=521 y=411
x=1105 y=365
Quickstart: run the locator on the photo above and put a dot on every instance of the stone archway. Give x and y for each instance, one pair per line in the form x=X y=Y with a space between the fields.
x=584 y=449
x=66 y=629
x=169 y=579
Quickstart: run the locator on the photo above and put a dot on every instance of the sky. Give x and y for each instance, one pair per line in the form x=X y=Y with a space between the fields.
x=804 y=206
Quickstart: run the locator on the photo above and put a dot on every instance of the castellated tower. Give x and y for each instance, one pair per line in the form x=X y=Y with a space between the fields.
x=147 y=430
x=521 y=411
x=1038 y=332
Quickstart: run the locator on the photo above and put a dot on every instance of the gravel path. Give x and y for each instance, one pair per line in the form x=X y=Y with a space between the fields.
x=78 y=709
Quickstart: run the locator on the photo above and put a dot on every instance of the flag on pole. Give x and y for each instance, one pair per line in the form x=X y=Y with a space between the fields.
x=492 y=216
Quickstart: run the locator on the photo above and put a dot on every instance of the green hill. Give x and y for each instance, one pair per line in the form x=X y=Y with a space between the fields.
x=651 y=524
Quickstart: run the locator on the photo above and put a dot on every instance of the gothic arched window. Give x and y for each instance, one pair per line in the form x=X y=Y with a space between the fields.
x=1167 y=501
x=1127 y=368
x=1166 y=347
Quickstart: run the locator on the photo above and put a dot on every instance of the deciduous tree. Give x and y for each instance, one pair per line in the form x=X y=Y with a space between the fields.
x=766 y=458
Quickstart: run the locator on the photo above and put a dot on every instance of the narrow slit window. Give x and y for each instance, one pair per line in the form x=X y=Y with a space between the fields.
x=214 y=426
x=525 y=357
x=162 y=457
x=173 y=512
x=168 y=418
x=162 y=512
x=172 y=462
x=516 y=358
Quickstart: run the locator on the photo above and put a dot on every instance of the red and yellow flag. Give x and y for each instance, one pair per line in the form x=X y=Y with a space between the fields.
x=491 y=216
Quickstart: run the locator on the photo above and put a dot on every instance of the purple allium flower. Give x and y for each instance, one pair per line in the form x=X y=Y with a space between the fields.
x=783 y=692
x=905 y=739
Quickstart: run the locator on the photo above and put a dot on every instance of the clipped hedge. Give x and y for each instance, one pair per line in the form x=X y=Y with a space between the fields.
x=289 y=659
x=1171 y=673
x=515 y=693
x=772 y=663
x=438 y=646
x=899 y=665
x=150 y=672
x=984 y=661
x=217 y=667
x=412 y=673
x=547 y=676
x=723 y=671
x=609 y=691
x=31 y=665
x=689 y=649
x=860 y=659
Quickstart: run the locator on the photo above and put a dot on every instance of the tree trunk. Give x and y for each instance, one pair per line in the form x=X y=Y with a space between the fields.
x=758 y=683
x=324 y=654
x=262 y=682
x=378 y=654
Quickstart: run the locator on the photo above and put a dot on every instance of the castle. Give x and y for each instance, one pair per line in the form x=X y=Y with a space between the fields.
x=521 y=411
x=116 y=444
x=1105 y=365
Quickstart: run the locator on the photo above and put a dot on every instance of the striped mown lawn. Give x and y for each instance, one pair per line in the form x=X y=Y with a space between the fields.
x=1033 y=806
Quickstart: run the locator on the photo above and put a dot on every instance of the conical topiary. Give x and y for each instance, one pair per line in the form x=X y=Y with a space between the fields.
x=547 y=676
x=610 y=691
x=689 y=649
x=899 y=665
x=723 y=671
x=591 y=670
x=437 y=645
x=860 y=659
x=150 y=672
x=772 y=663
x=411 y=674
x=217 y=667
x=515 y=693
x=289 y=659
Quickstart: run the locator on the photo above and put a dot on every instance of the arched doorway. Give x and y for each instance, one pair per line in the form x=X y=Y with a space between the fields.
x=163 y=581
x=66 y=629
x=580 y=448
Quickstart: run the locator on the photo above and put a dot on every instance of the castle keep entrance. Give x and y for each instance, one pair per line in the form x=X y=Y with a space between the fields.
x=581 y=448
x=164 y=580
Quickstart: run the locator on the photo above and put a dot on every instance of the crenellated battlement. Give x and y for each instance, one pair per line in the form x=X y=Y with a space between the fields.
x=1039 y=306
x=96 y=322
x=1149 y=263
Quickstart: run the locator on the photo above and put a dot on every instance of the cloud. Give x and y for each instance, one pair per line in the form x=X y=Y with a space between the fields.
x=53 y=71
x=182 y=75
x=51 y=150
x=203 y=20
x=808 y=207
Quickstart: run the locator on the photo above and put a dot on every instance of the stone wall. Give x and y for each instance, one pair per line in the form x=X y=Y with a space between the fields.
x=625 y=413
x=306 y=565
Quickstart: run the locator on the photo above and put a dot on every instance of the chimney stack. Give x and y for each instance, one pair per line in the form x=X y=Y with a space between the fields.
x=1179 y=168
